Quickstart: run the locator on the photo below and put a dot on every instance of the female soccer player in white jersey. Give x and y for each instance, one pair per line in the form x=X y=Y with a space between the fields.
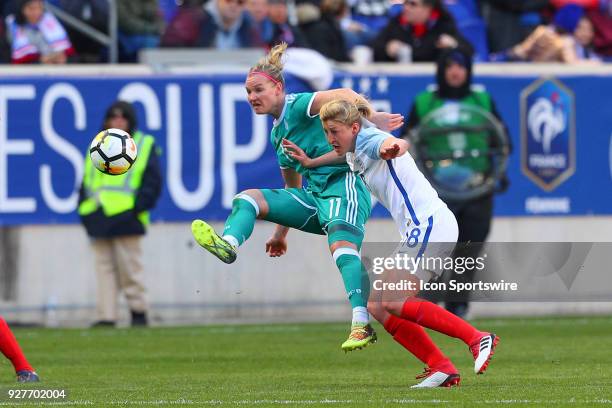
x=307 y=209
x=421 y=217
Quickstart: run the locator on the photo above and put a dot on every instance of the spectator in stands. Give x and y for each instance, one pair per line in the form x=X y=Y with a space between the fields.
x=599 y=13
x=510 y=21
x=36 y=35
x=140 y=26
x=419 y=33
x=184 y=28
x=372 y=14
x=115 y=213
x=282 y=30
x=321 y=27
x=228 y=26
x=94 y=13
x=258 y=11
x=569 y=39
x=355 y=32
x=5 y=47
x=602 y=23
x=454 y=86
x=221 y=24
x=471 y=25
x=168 y=9
x=587 y=4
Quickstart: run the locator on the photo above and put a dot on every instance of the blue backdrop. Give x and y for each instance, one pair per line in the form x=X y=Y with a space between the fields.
x=213 y=146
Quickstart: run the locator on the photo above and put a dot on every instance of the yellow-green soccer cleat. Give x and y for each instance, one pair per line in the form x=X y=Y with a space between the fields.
x=361 y=335
x=208 y=239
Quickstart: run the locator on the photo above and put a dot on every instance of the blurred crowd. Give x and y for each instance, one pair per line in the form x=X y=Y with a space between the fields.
x=362 y=31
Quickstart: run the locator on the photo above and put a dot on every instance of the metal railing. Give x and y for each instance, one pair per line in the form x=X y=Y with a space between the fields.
x=109 y=40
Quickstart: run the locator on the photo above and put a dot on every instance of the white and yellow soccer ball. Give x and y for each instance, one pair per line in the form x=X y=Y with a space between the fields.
x=113 y=151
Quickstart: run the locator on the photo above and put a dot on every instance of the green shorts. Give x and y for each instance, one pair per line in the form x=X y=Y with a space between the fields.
x=340 y=211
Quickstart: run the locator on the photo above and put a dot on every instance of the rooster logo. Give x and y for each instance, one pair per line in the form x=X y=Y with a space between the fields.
x=546 y=120
x=548 y=133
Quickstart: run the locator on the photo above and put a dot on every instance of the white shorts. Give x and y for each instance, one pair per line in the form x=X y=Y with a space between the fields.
x=431 y=242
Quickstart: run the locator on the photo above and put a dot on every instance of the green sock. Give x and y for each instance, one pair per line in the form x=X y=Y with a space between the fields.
x=239 y=225
x=352 y=274
x=365 y=283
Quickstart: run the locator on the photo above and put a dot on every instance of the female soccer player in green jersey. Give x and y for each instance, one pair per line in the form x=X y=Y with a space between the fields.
x=335 y=203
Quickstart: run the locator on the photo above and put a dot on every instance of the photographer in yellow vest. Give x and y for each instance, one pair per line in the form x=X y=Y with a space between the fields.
x=115 y=213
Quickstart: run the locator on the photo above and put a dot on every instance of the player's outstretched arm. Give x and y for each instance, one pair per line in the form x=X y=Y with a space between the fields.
x=322 y=97
x=300 y=156
x=393 y=147
x=383 y=120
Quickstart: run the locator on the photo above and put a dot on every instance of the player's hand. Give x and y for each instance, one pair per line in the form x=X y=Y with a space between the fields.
x=276 y=246
x=387 y=121
x=390 y=152
x=296 y=153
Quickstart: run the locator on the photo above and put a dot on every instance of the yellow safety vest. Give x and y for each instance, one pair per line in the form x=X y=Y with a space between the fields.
x=116 y=194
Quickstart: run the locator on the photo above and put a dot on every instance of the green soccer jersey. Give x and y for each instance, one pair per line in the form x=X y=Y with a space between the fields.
x=297 y=125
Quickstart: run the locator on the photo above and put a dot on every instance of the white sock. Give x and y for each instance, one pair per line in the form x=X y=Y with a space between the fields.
x=361 y=315
x=232 y=241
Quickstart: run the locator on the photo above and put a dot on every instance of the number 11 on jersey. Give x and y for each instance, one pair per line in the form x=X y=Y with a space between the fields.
x=337 y=200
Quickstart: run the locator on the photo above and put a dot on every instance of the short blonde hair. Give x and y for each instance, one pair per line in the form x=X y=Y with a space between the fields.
x=345 y=112
x=272 y=64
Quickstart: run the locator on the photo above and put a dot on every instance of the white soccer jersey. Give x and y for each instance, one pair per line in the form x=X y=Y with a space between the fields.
x=398 y=184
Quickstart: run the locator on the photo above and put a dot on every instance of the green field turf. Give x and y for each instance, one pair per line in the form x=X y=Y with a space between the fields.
x=539 y=362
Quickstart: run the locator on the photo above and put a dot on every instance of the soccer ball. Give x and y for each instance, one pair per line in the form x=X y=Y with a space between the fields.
x=113 y=151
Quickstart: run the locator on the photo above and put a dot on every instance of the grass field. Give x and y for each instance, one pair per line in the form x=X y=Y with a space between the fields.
x=540 y=362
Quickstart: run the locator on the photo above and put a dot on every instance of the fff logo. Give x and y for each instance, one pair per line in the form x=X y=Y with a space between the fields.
x=548 y=133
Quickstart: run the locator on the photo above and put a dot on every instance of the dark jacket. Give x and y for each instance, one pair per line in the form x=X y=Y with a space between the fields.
x=325 y=36
x=137 y=17
x=507 y=21
x=99 y=225
x=423 y=46
x=93 y=12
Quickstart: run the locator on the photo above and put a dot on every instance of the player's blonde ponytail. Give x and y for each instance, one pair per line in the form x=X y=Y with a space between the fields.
x=271 y=65
x=363 y=106
x=345 y=112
